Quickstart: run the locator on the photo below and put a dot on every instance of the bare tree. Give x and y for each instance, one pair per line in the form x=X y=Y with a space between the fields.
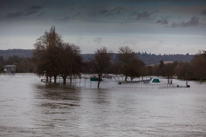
x=136 y=69
x=51 y=38
x=161 y=69
x=70 y=61
x=101 y=61
x=125 y=58
x=140 y=65
x=169 y=71
x=75 y=62
x=53 y=55
x=184 y=71
x=148 y=70
x=39 y=60
x=132 y=72
x=199 y=65
x=42 y=54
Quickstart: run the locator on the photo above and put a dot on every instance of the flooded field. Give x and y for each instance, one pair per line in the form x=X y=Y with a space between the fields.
x=29 y=107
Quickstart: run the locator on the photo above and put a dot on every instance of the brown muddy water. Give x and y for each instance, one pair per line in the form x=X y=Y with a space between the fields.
x=29 y=107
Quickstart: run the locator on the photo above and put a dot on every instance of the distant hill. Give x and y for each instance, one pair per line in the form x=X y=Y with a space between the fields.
x=145 y=57
x=152 y=58
x=19 y=52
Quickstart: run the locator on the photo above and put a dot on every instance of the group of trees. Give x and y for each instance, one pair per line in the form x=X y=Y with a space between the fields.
x=53 y=57
x=199 y=65
x=22 y=64
x=196 y=69
x=126 y=63
x=193 y=70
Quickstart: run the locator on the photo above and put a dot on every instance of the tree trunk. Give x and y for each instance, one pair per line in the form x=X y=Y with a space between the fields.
x=71 y=81
x=47 y=78
x=98 y=84
x=55 y=79
x=168 y=79
x=126 y=78
x=99 y=80
x=64 y=80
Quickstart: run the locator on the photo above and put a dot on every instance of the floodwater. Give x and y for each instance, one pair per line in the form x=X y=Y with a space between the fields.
x=29 y=107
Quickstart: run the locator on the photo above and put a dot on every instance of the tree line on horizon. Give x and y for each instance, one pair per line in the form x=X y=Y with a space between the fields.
x=52 y=57
x=147 y=58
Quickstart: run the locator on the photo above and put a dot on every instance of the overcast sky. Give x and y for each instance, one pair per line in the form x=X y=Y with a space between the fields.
x=154 y=26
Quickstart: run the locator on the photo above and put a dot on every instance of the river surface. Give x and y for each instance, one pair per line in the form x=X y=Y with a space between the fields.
x=29 y=107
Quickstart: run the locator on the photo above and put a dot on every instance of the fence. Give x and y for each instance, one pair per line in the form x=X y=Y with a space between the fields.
x=85 y=82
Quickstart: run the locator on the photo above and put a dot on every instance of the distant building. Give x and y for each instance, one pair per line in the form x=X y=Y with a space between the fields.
x=10 y=69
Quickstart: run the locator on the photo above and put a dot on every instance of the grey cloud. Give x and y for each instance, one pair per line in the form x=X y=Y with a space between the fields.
x=194 y=21
x=141 y=1
x=35 y=7
x=154 y=12
x=41 y=13
x=204 y=12
x=77 y=14
x=70 y=17
x=133 y=13
x=82 y=7
x=66 y=18
x=103 y=11
x=145 y=14
x=174 y=25
x=15 y=14
x=162 y=21
x=146 y=1
x=118 y=9
x=107 y=12
x=98 y=40
x=33 y=10
x=128 y=43
x=30 y=13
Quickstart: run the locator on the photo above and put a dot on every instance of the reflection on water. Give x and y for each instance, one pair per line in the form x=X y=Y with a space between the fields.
x=31 y=108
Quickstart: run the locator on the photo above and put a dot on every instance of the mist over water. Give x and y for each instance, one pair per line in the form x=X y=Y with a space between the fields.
x=29 y=107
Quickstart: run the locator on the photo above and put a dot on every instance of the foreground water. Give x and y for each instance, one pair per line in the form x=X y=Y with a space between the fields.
x=29 y=107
